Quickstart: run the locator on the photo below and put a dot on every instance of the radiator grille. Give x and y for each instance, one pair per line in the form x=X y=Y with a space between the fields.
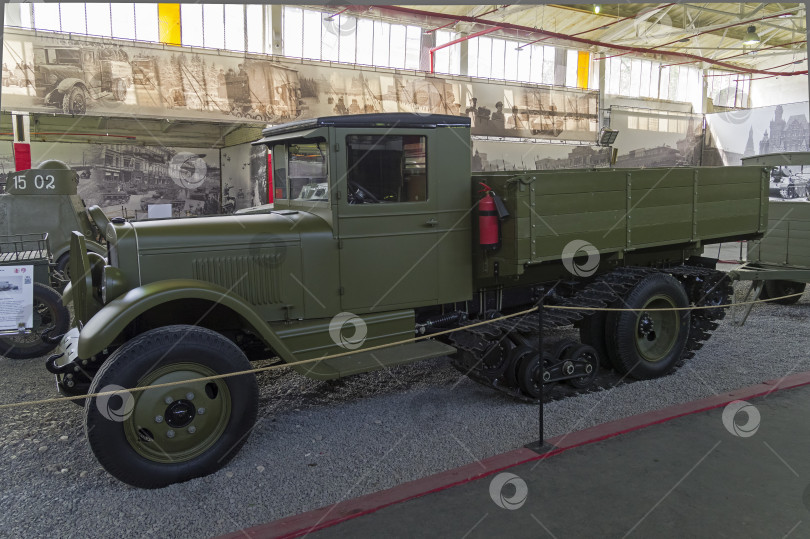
x=255 y=278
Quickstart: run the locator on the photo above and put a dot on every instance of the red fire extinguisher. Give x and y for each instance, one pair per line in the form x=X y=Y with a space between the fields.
x=491 y=210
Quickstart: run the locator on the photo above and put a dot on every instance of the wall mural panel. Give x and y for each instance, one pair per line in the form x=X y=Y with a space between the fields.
x=761 y=131
x=125 y=179
x=490 y=155
x=82 y=75
x=649 y=138
x=244 y=177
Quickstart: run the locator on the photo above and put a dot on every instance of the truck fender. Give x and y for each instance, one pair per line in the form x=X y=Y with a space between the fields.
x=102 y=329
x=66 y=84
x=92 y=246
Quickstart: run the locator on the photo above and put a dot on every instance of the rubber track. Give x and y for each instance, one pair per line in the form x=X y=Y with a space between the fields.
x=703 y=286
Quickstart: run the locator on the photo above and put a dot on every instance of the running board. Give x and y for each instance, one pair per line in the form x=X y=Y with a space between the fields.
x=388 y=357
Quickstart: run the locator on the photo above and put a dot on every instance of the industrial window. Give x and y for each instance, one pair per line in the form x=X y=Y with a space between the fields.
x=635 y=77
x=300 y=170
x=389 y=168
x=343 y=38
x=448 y=59
x=236 y=27
x=493 y=58
x=728 y=89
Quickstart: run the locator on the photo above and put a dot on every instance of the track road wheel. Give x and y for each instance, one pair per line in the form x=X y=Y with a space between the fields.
x=49 y=314
x=777 y=289
x=511 y=376
x=649 y=343
x=588 y=354
x=592 y=332
x=160 y=436
x=530 y=377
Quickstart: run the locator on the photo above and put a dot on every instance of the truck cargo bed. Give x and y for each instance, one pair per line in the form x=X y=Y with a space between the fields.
x=622 y=210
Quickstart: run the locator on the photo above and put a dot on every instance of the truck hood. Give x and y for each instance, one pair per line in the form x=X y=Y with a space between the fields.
x=220 y=233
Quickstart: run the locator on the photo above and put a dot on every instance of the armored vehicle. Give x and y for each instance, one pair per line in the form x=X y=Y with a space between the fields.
x=68 y=76
x=45 y=200
x=379 y=234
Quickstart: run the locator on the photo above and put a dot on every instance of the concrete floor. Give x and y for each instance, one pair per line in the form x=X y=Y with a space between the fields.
x=686 y=477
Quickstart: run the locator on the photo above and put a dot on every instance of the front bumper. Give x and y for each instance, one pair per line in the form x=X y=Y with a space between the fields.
x=73 y=375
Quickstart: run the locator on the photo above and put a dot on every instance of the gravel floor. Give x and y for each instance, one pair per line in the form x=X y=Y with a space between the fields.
x=319 y=443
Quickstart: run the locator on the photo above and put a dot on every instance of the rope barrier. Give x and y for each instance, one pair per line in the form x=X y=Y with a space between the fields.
x=370 y=349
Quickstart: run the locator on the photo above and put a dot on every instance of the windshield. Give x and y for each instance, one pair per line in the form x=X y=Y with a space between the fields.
x=300 y=171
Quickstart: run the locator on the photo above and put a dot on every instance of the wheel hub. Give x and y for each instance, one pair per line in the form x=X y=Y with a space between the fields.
x=180 y=413
x=646 y=327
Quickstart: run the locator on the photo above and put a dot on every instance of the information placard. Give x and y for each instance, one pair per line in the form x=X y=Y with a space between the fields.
x=16 y=298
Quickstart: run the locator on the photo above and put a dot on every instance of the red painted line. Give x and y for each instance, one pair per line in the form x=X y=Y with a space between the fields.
x=304 y=523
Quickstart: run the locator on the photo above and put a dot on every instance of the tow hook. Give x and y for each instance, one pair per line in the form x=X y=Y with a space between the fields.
x=52 y=367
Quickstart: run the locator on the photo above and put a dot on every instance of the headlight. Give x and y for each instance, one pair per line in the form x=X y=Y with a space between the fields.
x=113 y=284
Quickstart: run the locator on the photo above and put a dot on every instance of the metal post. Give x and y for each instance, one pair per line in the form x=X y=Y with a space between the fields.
x=541 y=440
x=540 y=446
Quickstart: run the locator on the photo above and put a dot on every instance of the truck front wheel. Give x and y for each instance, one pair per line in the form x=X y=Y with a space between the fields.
x=649 y=341
x=156 y=437
x=74 y=101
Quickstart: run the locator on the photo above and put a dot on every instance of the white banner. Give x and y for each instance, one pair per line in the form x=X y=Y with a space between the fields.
x=16 y=298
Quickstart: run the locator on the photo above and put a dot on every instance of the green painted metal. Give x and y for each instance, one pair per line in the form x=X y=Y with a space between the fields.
x=45 y=201
x=177 y=444
x=787 y=239
x=287 y=275
x=620 y=211
x=667 y=326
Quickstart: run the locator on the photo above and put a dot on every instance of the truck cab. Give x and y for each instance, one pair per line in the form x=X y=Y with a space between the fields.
x=395 y=191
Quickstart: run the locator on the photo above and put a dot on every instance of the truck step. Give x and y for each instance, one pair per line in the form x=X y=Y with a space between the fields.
x=388 y=357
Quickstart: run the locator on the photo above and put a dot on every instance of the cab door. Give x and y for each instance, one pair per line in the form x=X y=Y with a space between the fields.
x=388 y=225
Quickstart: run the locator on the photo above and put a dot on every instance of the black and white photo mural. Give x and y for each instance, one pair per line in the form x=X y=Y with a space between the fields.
x=125 y=179
x=244 y=177
x=759 y=131
x=99 y=76
x=491 y=155
x=779 y=132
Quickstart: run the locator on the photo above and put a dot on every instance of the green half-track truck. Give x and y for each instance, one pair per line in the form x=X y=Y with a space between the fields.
x=380 y=234
x=45 y=200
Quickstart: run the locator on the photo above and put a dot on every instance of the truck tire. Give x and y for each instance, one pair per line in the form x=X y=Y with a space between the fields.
x=777 y=289
x=74 y=101
x=120 y=89
x=649 y=344
x=153 y=438
x=49 y=314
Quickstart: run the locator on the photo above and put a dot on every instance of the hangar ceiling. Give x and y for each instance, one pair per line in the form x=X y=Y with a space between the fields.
x=706 y=34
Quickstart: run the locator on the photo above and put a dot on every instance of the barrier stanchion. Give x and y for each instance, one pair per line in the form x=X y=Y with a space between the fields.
x=540 y=446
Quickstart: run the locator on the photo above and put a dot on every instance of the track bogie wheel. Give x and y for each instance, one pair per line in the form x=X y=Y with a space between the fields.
x=517 y=355
x=156 y=437
x=588 y=354
x=563 y=346
x=530 y=375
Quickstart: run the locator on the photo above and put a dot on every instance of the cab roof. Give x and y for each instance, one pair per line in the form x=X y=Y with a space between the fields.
x=390 y=119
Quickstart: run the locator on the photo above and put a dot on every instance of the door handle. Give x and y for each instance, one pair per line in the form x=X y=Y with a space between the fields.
x=431 y=222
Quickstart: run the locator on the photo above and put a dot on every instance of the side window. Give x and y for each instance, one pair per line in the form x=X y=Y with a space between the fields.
x=280 y=170
x=387 y=168
x=307 y=163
